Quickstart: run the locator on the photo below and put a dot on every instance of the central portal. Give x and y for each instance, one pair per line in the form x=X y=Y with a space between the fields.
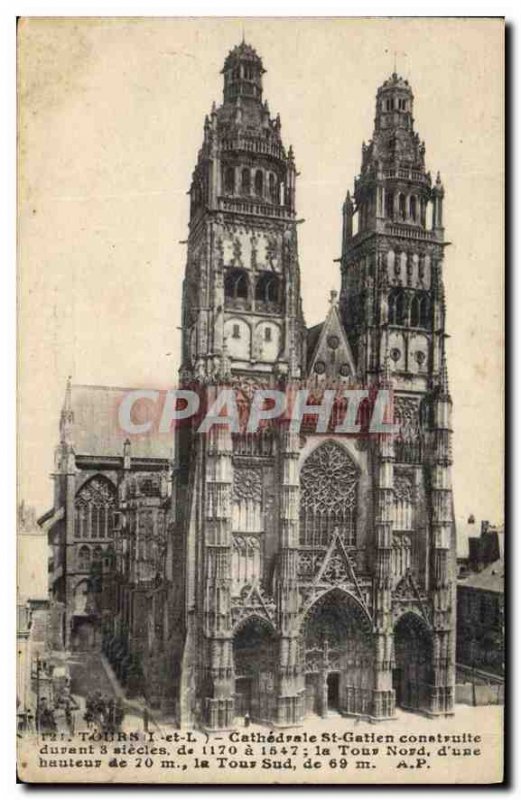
x=337 y=641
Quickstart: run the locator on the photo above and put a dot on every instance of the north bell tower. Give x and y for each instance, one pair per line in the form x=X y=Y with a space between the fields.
x=242 y=311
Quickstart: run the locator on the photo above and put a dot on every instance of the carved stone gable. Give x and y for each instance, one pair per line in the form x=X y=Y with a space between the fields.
x=253 y=601
x=407 y=595
x=331 y=358
x=337 y=568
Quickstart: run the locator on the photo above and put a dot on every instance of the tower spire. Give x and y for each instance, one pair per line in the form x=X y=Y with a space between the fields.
x=243 y=73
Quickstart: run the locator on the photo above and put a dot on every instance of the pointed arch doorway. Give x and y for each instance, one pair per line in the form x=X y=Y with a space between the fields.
x=337 y=647
x=255 y=658
x=412 y=663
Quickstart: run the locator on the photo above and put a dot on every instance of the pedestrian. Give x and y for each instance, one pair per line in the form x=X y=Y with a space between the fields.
x=69 y=718
x=110 y=717
x=119 y=713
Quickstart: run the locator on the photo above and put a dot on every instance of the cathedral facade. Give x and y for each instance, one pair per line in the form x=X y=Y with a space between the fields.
x=315 y=571
x=279 y=573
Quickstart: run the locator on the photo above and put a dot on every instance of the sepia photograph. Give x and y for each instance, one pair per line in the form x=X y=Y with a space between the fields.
x=261 y=532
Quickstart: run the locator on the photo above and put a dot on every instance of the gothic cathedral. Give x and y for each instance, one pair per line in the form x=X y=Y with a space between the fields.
x=313 y=572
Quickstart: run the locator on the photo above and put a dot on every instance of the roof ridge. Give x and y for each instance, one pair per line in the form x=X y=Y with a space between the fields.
x=105 y=387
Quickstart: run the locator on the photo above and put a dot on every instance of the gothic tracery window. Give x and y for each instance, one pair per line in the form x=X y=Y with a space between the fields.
x=267 y=289
x=402 y=210
x=245 y=181
x=95 y=507
x=389 y=204
x=229 y=180
x=419 y=315
x=413 y=206
x=397 y=305
x=328 y=496
x=401 y=556
x=424 y=311
x=236 y=285
x=259 y=183
x=246 y=562
x=247 y=500
x=273 y=188
x=247 y=524
x=415 y=312
x=404 y=502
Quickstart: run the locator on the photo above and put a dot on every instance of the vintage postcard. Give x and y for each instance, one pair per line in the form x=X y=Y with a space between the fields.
x=260 y=486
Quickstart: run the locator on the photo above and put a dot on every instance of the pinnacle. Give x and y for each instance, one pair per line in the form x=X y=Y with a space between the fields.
x=242 y=50
x=348 y=201
x=444 y=376
x=68 y=394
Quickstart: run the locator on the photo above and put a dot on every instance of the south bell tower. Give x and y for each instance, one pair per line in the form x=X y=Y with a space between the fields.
x=242 y=327
x=392 y=303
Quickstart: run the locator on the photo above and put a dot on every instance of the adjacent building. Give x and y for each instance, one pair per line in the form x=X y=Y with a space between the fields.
x=481 y=624
x=481 y=604
x=107 y=530
x=32 y=607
